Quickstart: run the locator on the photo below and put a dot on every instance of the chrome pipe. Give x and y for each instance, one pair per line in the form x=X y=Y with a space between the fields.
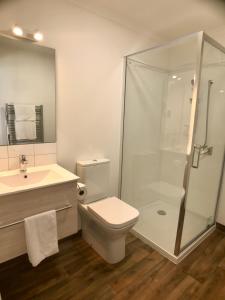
x=21 y=221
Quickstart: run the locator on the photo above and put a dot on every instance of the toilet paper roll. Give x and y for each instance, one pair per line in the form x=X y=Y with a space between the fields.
x=81 y=192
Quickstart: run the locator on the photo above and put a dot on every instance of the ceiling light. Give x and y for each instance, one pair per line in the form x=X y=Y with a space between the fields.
x=18 y=31
x=174 y=76
x=38 y=36
x=221 y=91
x=179 y=78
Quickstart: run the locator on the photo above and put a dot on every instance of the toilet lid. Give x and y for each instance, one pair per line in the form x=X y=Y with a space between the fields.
x=114 y=212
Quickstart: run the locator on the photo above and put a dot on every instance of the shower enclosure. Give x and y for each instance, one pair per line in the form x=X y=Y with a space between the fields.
x=173 y=141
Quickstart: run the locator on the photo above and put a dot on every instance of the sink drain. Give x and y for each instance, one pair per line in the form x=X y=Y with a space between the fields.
x=161 y=212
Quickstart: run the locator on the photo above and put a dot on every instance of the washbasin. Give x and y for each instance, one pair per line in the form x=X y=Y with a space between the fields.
x=28 y=178
x=35 y=177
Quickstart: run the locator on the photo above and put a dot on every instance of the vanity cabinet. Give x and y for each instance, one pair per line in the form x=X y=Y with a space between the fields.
x=17 y=206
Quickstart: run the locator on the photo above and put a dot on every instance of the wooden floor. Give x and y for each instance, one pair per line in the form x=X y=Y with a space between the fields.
x=79 y=273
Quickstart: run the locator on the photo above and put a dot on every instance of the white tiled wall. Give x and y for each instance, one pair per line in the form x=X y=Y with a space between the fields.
x=36 y=154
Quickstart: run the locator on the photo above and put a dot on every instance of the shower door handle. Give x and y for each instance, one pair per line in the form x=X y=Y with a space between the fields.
x=198 y=151
x=196 y=156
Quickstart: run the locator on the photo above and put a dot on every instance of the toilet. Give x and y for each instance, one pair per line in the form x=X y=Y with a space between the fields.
x=105 y=221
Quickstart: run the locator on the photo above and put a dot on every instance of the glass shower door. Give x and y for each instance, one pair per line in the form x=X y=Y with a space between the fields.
x=208 y=147
x=175 y=195
x=158 y=97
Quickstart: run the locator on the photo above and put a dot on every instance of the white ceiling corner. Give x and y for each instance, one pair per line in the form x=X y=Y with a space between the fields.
x=161 y=19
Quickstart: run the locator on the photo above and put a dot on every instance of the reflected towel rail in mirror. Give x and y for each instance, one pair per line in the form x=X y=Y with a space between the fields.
x=11 y=127
x=21 y=221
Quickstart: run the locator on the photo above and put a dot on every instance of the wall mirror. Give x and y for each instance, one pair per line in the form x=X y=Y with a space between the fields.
x=27 y=93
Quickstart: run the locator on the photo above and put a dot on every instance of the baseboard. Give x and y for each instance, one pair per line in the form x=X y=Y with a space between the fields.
x=220 y=227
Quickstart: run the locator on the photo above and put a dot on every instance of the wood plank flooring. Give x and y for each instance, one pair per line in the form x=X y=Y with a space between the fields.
x=77 y=272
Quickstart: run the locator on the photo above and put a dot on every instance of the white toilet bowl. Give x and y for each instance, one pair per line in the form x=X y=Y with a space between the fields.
x=105 y=224
x=104 y=221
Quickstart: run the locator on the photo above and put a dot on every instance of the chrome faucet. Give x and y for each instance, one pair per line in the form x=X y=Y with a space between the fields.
x=23 y=163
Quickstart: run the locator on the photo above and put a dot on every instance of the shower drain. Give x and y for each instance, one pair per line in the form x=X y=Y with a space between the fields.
x=161 y=212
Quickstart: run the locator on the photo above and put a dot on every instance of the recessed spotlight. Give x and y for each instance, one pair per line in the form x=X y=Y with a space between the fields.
x=18 y=31
x=179 y=78
x=222 y=91
x=38 y=36
x=174 y=76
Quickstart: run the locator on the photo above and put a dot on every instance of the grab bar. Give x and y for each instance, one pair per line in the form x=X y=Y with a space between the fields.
x=21 y=221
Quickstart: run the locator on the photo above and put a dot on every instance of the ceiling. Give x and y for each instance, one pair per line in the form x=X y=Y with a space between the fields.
x=160 y=19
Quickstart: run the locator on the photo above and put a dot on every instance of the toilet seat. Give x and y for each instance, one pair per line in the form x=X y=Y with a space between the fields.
x=113 y=212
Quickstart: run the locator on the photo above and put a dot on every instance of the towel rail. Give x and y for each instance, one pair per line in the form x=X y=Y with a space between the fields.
x=21 y=221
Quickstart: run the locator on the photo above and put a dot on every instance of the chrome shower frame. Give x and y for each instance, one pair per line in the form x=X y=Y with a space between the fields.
x=181 y=252
x=202 y=37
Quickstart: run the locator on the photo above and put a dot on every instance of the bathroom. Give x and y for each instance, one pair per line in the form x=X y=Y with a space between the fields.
x=101 y=57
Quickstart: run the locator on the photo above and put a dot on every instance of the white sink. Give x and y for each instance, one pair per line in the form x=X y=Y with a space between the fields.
x=35 y=177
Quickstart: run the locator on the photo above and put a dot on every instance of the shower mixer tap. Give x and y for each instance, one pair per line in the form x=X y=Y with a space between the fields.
x=203 y=149
x=206 y=150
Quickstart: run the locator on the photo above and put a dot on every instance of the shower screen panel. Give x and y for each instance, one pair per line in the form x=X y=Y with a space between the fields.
x=173 y=140
x=158 y=103
x=208 y=147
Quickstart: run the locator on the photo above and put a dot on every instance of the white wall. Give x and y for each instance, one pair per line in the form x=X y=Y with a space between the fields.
x=89 y=54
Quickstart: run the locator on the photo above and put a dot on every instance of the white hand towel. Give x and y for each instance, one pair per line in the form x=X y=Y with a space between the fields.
x=25 y=130
x=41 y=236
x=25 y=112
